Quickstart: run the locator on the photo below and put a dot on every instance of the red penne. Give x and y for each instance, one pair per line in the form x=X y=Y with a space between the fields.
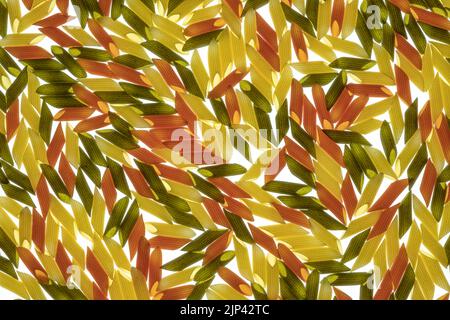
x=92 y=123
x=176 y=293
x=269 y=54
x=129 y=74
x=154 y=273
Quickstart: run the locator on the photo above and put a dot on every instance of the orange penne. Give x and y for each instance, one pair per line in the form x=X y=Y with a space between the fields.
x=204 y=26
x=296 y=103
x=425 y=121
x=92 y=123
x=32 y=264
x=56 y=145
x=176 y=293
x=389 y=196
x=43 y=195
x=383 y=221
x=403 y=87
x=95 y=268
x=103 y=37
x=370 y=90
x=216 y=212
x=154 y=273
x=408 y=51
x=60 y=37
x=292 y=215
x=292 y=262
x=337 y=17
x=341 y=104
x=217 y=247
x=266 y=32
x=38 y=231
x=136 y=234
x=333 y=204
x=167 y=243
x=330 y=147
x=229 y=187
x=430 y=18
x=349 y=196
x=264 y=240
x=232 y=104
x=97 y=68
x=309 y=118
x=234 y=281
x=108 y=190
x=171 y=78
x=298 y=41
x=143 y=254
x=428 y=181
x=229 y=81
x=54 y=20
x=29 y=52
